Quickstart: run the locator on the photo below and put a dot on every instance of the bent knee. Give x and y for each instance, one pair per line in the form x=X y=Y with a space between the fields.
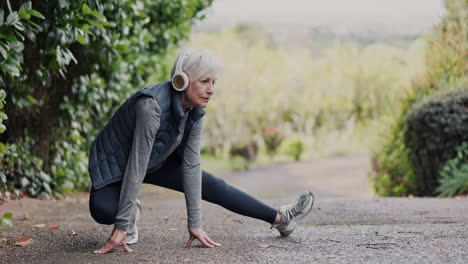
x=103 y=214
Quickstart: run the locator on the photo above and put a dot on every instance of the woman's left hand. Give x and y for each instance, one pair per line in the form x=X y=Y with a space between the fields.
x=198 y=233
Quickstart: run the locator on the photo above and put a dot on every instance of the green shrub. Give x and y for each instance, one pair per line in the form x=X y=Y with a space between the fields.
x=398 y=163
x=65 y=67
x=239 y=163
x=247 y=151
x=393 y=175
x=292 y=147
x=272 y=137
x=454 y=174
x=435 y=127
x=23 y=173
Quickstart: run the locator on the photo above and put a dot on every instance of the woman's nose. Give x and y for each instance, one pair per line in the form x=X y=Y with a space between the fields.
x=210 y=90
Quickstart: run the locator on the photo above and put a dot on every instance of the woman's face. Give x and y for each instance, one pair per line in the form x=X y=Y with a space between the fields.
x=199 y=92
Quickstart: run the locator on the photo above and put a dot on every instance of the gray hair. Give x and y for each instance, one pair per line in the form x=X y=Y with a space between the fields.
x=198 y=63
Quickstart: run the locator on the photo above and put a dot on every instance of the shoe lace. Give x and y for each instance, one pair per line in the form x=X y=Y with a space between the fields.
x=289 y=209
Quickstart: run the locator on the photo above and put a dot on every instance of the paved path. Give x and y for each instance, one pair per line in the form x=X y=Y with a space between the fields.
x=347 y=224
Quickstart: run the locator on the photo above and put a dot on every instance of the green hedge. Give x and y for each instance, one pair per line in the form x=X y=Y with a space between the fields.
x=397 y=170
x=69 y=65
x=435 y=128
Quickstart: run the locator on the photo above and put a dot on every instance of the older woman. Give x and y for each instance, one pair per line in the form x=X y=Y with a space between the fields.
x=155 y=137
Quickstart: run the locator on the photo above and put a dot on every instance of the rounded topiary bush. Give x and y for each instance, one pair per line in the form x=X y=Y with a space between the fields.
x=435 y=128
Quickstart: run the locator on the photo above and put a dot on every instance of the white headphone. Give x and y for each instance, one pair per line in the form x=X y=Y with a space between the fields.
x=180 y=80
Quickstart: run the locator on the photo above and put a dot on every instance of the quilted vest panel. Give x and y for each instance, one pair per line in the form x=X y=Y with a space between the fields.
x=110 y=150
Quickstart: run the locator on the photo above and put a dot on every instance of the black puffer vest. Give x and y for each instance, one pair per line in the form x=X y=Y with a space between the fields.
x=111 y=148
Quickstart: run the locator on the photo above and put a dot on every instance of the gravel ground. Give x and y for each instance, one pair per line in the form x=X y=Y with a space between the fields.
x=347 y=224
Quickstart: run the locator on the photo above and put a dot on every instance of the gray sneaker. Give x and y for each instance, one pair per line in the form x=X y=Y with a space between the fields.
x=294 y=211
x=132 y=234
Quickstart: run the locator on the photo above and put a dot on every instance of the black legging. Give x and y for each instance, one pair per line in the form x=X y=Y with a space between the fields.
x=104 y=202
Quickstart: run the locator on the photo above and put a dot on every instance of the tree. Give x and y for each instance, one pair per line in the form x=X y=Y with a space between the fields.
x=69 y=65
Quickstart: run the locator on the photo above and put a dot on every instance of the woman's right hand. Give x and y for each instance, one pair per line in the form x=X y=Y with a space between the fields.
x=118 y=238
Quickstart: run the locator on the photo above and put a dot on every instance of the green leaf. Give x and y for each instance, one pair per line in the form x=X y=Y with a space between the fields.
x=17 y=46
x=82 y=39
x=2 y=177
x=24 y=182
x=12 y=18
x=26 y=6
x=8 y=36
x=10 y=68
x=85 y=8
x=3 y=52
x=2 y=16
x=95 y=23
x=7 y=216
x=2 y=128
x=36 y=13
x=68 y=186
x=23 y=14
x=6 y=222
x=2 y=95
x=3 y=116
x=45 y=177
x=31 y=99
x=19 y=35
x=19 y=26
x=98 y=15
x=47 y=187
x=32 y=23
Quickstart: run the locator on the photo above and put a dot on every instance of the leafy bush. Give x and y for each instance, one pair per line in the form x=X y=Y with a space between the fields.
x=394 y=162
x=292 y=147
x=454 y=175
x=341 y=87
x=247 y=151
x=393 y=175
x=23 y=173
x=239 y=163
x=69 y=66
x=272 y=138
x=434 y=128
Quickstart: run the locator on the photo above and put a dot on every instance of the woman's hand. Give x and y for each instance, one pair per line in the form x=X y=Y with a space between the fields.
x=198 y=233
x=118 y=237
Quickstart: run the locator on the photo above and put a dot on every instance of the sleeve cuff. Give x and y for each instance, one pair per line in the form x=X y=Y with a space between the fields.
x=122 y=225
x=194 y=218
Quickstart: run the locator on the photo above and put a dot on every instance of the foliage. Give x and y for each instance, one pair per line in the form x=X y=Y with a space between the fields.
x=292 y=147
x=446 y=55
x=238 y=163
x=73 y=64
x=394 y=176
x=434 y=128
x=248 y=151
x=272 y=138
x=23 y=172
x=454 y=174
x=6 y=219
x=446 y=70
x=339 y=93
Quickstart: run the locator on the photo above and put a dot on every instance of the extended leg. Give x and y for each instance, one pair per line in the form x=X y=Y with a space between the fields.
x=214 y=190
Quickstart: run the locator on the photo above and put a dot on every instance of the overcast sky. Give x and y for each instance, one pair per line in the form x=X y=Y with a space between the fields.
x=328 y=12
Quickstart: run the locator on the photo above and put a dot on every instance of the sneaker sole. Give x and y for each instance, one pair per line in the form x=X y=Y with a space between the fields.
x=308 y=209
x=135 y=238
x=287 y=233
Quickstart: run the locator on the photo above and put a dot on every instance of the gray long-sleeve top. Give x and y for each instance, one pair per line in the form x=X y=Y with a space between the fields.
x=147 y=124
